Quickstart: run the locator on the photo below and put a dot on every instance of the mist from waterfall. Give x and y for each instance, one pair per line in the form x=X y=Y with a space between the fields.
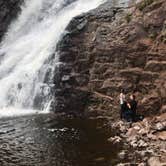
x=26 y=51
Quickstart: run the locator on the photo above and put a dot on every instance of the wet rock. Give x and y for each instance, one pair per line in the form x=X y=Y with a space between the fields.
x=115 y=139
x=154 y=161
x=132 y=133
x=160 y=126
x=150 y=151
x=124 y=164
x=163 y=109
x=133 y=143
x=142 y=164
x=156 y=66
x=66 y=78
x=161 y=135
x=144 y=131
x=122 y=154
x=142 y=143
x=152 y=136
x=137 y=127
x=77 y=25
x=120 y=125
x=99 y=159
x=160 y=118
x=163 y=151
x=143 y=153
x=82 y=25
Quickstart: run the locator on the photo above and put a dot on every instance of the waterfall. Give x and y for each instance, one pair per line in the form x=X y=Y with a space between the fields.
x=26 y=51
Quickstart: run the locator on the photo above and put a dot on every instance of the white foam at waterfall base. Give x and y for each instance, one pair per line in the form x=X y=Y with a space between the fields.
x=8 y=112
x=26 y=50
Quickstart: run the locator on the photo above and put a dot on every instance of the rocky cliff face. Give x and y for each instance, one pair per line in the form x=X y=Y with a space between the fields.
x=109 y=49
x=112 y=48
x=8 y=11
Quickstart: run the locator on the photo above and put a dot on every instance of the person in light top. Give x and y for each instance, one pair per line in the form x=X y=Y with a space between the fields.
x=122 y=99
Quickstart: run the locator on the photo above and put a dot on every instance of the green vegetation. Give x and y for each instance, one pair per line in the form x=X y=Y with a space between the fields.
x=142 y=5
x=128 y=17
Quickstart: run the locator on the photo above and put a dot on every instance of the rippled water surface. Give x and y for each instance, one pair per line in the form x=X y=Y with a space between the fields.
x=42 y=140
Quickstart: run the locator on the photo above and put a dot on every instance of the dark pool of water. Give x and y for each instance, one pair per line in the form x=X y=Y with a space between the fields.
x=43 y=140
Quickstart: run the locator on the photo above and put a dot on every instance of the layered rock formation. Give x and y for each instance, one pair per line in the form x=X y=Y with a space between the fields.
x=112 y=48
x=8 y=11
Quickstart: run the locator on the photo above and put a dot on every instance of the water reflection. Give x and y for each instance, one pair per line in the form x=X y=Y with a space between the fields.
x=45 y=141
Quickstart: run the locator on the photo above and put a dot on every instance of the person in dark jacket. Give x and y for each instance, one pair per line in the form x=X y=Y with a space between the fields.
x=133 y=107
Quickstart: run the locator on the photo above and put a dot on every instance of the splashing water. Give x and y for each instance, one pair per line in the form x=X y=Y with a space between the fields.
x=26 y=50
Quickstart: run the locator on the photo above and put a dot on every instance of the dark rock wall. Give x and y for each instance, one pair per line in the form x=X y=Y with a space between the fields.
x=8 y=11
x=113 y=48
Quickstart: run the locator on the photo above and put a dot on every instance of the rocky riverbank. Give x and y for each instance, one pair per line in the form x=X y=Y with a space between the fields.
x=146 y=141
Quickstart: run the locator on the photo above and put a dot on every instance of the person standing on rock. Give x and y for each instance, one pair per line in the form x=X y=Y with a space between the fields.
x=122 y=99
x=133 y=106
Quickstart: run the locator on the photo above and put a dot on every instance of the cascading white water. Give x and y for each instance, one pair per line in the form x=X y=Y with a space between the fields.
x=27 y=47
